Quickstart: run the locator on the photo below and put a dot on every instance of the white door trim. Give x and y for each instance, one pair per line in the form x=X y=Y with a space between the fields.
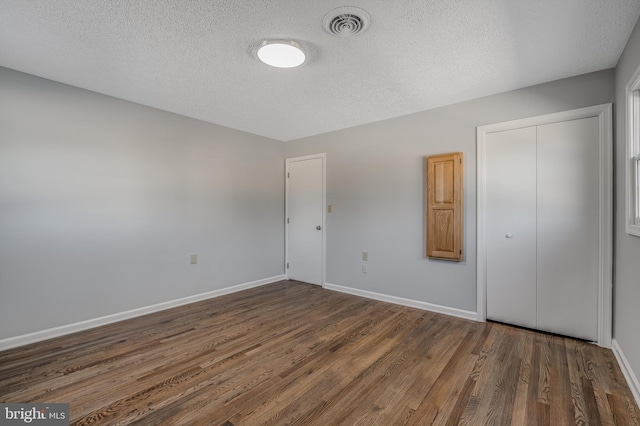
x=604 y=114
x=288 y=161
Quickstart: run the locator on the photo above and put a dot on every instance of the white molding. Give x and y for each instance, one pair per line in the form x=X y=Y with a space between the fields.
x=633 y=85
x=25 y=339
x=604 y=114
x=425 y=306
x=288 y=162
x=556 y=117
x=481 y=235
x=605 y=260
x=629 y=375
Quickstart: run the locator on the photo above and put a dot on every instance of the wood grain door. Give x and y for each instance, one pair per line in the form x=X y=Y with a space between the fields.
x=511 y=226
x=444 y=206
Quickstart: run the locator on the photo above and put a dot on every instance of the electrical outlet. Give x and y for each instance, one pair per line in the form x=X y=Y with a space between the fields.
x=365 y=256
x=365 y=269
x=194 y=259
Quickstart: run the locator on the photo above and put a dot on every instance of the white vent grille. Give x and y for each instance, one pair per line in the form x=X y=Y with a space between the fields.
x=345 y=21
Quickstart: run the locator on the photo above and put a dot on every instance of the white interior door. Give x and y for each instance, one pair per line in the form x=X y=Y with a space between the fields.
x=511 y=226
x=305 y=218
x=542 y=227
x=568 y=160
x=573 y=222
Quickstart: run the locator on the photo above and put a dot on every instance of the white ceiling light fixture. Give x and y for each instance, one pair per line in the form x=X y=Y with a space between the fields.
x=281 y=53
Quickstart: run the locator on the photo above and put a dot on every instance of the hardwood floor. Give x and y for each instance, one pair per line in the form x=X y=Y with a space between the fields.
x=293 y=353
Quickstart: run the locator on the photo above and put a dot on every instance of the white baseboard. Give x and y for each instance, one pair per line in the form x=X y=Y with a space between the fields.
x=460 y=313
x=629 y=375
x=25 y=339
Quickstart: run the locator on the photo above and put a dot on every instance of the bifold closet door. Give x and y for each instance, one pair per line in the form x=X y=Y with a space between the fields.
x=542 y=227
x=568 y=209
x=511 y=226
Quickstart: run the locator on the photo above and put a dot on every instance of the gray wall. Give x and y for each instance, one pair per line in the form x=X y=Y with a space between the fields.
x=375 y=184
x=626 y=288
x=102 y=201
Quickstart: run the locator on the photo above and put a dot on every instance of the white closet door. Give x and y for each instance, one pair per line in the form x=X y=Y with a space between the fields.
x=568 y=227
x=511 y=226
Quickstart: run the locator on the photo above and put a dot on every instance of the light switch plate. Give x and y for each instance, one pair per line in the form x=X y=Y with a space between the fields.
x=194 y=259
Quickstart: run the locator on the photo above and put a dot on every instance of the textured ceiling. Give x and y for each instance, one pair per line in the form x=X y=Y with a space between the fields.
x=197 y=58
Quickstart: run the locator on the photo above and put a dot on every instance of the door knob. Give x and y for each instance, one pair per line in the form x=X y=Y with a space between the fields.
x=318 y=227
x=508 y=236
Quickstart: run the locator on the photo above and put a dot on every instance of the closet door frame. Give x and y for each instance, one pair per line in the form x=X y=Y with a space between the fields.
x=604 y=114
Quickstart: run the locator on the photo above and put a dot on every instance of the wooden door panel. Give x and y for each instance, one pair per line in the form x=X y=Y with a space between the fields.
x=443 y=180
x=444 y=200
x=443 y=230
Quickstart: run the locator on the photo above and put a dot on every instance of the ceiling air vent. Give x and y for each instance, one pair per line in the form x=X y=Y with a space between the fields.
x=345 y=21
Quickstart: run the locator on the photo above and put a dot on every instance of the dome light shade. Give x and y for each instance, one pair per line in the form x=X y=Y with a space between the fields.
x=281 y=53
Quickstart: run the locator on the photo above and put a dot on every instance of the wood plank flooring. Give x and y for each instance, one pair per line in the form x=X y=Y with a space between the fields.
x=293 y=353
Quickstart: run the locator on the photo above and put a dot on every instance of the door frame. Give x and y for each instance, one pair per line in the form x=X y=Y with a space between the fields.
x=288 y=162
x=605 y=269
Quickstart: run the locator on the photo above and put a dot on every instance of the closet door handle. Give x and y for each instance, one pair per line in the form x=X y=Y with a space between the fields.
x=508 y=236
